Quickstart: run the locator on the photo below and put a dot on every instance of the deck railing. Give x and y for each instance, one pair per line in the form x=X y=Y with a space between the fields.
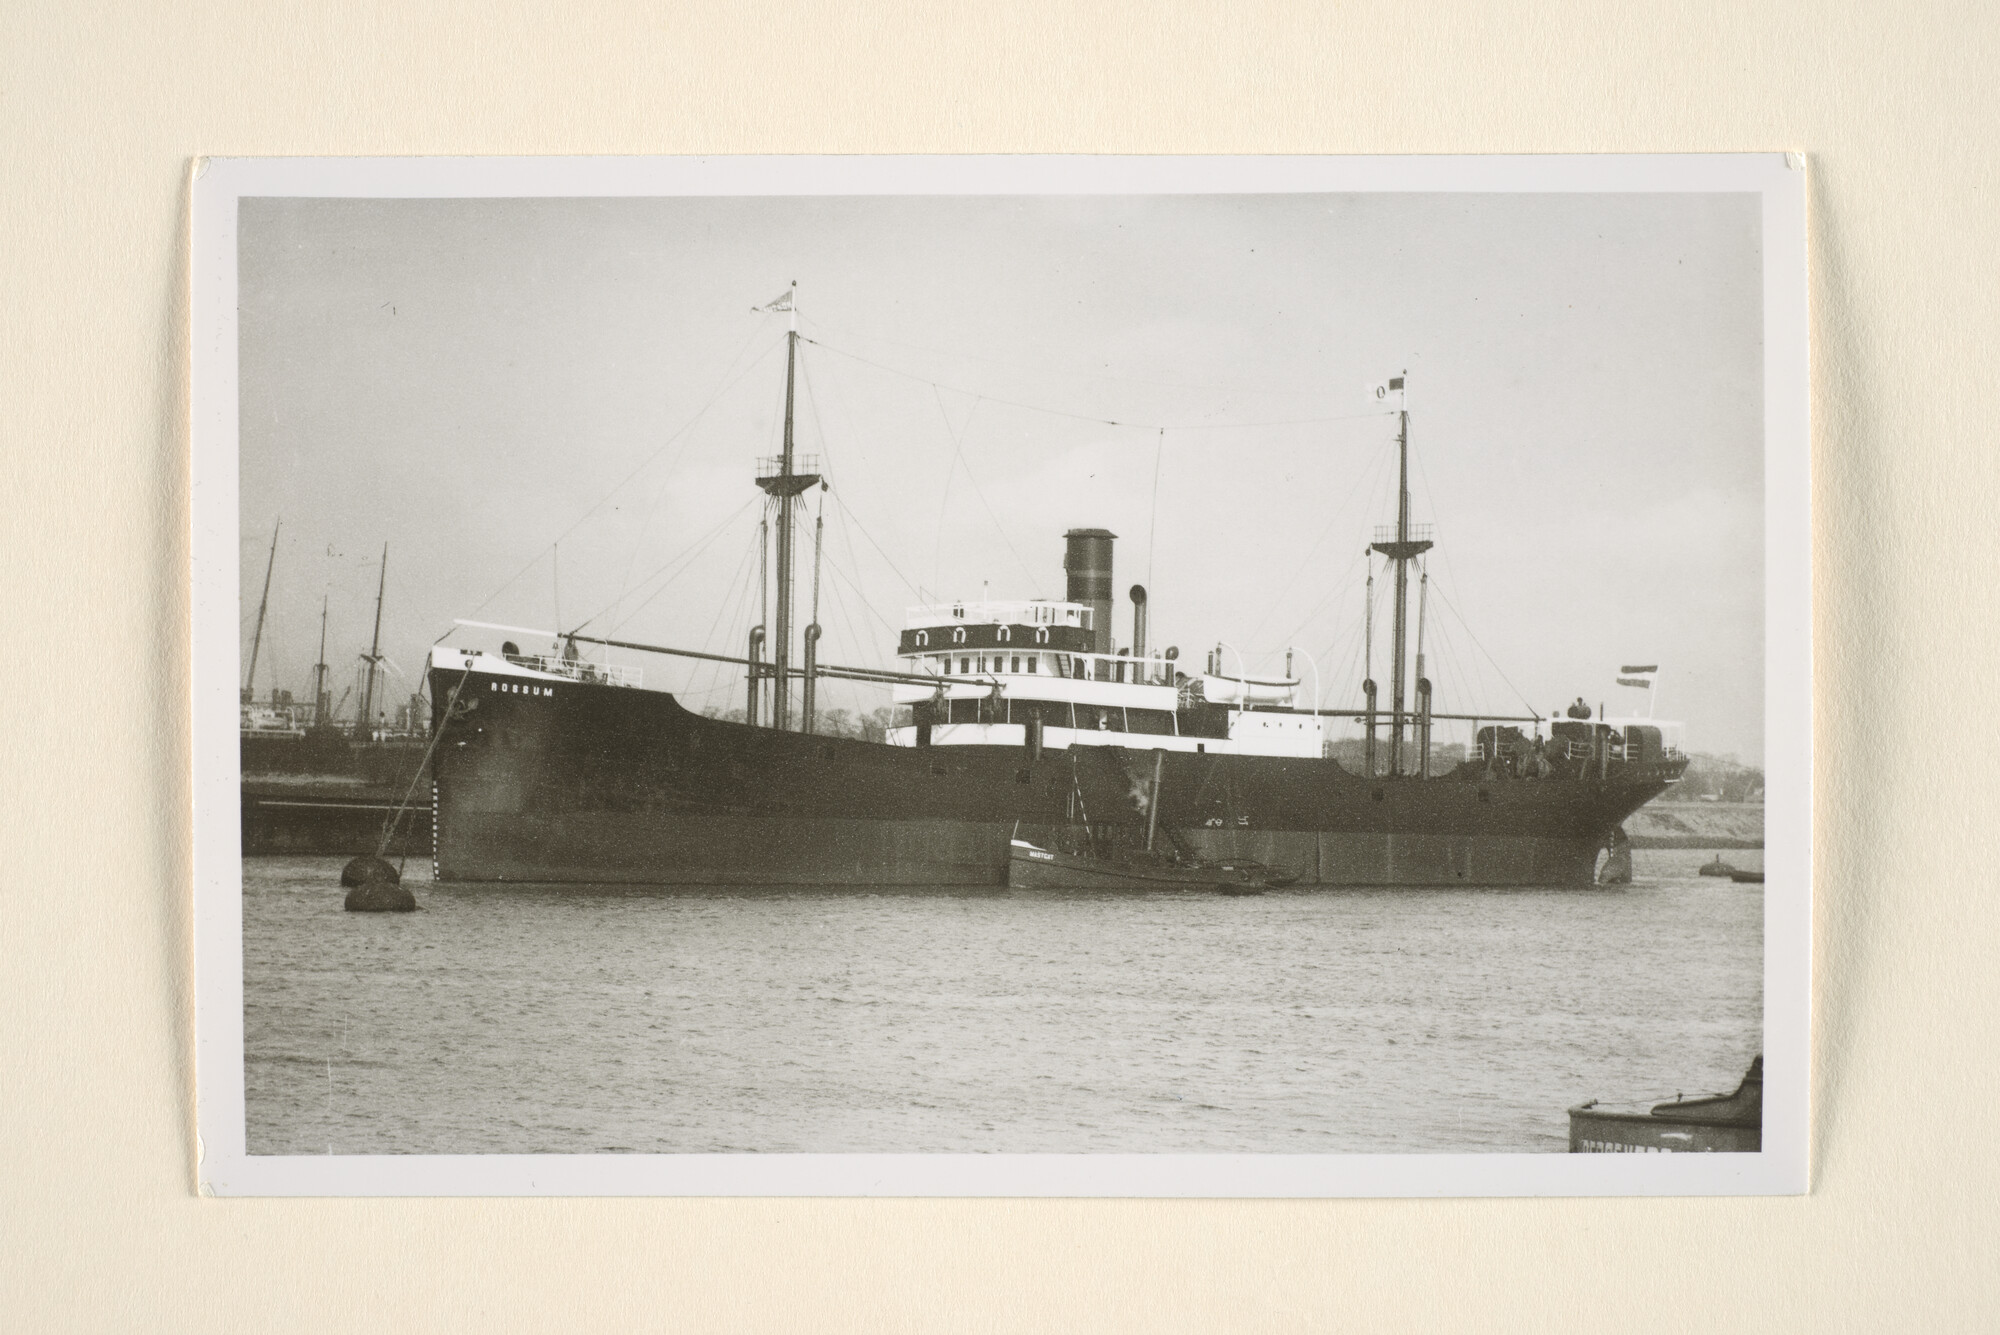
x=581 y=669
x=771 y=465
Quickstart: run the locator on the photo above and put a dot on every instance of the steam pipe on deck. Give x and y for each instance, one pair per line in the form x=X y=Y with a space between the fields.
x=756 y=666
x=811 y=677
x=1368 y=666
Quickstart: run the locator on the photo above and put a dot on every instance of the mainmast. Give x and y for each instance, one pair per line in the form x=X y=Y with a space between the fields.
x=257 y=640
x=1368 y=667
x=365 y=729
x=1401 y=547
x=786 y=485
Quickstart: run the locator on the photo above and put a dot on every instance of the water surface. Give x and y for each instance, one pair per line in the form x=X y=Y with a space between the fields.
x=504 y=1020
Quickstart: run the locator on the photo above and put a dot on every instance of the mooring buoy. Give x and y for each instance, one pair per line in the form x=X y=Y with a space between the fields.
x=380 y=897
x=377 y=887
x=367 y=868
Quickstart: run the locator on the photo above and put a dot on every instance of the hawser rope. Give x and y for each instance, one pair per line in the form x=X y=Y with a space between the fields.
x=396 y=816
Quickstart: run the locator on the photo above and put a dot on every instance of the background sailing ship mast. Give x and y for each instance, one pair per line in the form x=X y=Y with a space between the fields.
x=364 y=728
x=785 y=485
x=263 y=604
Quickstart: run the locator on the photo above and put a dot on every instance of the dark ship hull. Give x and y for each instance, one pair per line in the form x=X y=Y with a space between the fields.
x=583 y=783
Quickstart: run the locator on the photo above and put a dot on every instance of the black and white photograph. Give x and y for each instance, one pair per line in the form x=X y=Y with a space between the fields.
x=1001 y=677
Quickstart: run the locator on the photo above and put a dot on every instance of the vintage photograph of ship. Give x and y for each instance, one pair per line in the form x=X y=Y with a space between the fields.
x=1012 y=673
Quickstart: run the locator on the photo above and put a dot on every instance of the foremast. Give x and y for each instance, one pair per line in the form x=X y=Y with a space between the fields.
x=785 y=484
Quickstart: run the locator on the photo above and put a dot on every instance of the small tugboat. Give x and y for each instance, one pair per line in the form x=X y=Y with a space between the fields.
x=1717 y=868
x=1031 y=867
x=1718 y=1124
x=1100 y=858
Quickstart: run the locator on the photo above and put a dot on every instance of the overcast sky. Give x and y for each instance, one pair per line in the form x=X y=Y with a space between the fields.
x=470 y=381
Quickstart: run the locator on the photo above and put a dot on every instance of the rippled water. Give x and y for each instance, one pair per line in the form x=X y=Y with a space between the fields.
x=586 y=1020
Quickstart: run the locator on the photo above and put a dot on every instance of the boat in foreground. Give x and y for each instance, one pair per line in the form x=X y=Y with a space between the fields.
x=1721 y=1123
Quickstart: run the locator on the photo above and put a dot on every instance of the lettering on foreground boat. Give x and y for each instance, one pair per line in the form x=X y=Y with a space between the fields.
x=561 y=768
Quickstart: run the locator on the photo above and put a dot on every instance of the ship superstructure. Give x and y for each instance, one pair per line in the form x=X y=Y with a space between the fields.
x=1001 y=673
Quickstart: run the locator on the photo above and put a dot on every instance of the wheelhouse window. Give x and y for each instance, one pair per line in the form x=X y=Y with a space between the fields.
x=1100 y=718
x=1054 y=713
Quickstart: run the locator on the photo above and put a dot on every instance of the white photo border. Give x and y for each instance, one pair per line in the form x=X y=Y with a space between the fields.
x=224 y=1165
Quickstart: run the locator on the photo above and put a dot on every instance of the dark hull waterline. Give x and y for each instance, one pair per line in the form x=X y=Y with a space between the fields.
x=579 y=783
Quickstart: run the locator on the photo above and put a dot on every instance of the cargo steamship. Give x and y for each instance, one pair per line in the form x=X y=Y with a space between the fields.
x=556 y=768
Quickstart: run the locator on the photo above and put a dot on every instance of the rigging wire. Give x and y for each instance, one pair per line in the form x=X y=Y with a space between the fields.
x=944 y=499
x=965 y=466
x=854 y=641
x=826 y=449
x=1240 y=387
x=1334 y=590
x=731 y=604
x=833 y=395
x=1088 y=417
x=866 y=605
x=666 y=474
x=644 y=464
x=877 y=546
x=690 y=552
x=1482 y=649
x=1153 y=510
x=1366 y=489
x=1430 y=495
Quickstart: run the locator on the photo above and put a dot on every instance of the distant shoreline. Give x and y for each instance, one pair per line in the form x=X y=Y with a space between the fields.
x=1697 y=825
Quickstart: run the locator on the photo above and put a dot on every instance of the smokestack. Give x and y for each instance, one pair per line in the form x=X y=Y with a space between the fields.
x=1138 y=621
x=1088 y=562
